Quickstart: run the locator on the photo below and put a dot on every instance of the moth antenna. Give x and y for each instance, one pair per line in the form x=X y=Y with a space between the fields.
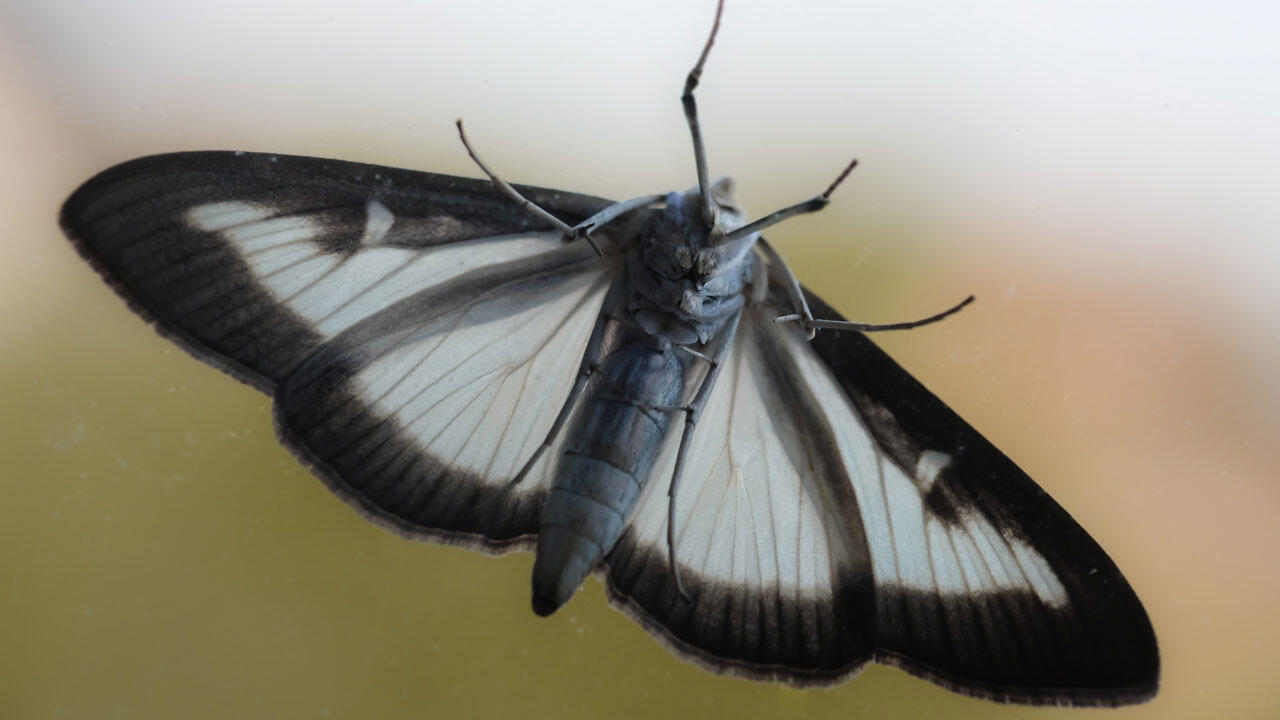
x=710 y=213
x=570 y=233
x=874 y=327
x=811 y=205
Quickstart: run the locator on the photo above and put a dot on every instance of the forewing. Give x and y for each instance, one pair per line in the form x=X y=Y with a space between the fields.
x=833 y=511
x=985 y=584
x=419 y=331
x=250 y=261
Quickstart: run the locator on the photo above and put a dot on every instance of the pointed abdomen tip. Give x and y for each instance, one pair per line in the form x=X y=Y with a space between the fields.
x=544 y=605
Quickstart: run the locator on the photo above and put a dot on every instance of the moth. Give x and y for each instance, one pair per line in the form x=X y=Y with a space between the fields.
x=637 y=389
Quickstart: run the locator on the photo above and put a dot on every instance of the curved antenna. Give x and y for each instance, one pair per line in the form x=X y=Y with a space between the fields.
x=710 y=213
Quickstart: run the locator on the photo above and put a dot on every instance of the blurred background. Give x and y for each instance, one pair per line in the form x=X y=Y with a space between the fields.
x=1105 y=177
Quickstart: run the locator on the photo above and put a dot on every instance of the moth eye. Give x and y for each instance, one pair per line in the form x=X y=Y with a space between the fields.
x=706 y=263
x=683 y=257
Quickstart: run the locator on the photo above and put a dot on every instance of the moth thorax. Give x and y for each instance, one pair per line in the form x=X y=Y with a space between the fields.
x=726 y=255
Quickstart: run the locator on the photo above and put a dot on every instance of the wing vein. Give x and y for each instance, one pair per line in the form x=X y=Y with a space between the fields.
x=888 y=513
x=523 y=383
x=411 y=260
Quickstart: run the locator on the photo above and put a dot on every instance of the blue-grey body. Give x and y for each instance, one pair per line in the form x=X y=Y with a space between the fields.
x=679 y=292
x=609 y=456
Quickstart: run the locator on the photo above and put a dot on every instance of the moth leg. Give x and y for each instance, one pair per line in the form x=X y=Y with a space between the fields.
x=792 y=286
x=872 y=327
x=805 y=316
x=590 y=364
x=527 y=204
x=692 y=412
x=609 y=214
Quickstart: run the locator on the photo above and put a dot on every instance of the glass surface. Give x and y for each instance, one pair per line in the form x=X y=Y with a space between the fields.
x=1103 y=179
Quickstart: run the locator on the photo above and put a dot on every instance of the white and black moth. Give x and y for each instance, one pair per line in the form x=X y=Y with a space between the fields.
x=505 y=368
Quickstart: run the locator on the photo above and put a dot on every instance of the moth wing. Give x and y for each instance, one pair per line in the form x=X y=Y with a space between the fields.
x=422 y=414
x=832 y=511
x=251 y=261
x=985 y=584
x=418 y=331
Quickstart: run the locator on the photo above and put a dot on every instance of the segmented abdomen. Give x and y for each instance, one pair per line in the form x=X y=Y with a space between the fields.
x=609 y=455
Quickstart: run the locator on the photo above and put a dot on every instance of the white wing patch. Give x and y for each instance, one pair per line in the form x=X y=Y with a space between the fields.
x=222 y=215
x=910 y=546
x=929 y=467
x=378 y=222
x=743 y=515
x=335 y=290
x=479 y=389
x=751 y=510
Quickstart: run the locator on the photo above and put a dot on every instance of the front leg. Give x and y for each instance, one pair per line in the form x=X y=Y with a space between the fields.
x=693 y=411
x=583 y=230
x=805 y=317
x=792 y=285
x=613 y=301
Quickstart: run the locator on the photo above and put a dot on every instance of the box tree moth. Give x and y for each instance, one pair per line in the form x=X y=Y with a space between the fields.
x=639 y=389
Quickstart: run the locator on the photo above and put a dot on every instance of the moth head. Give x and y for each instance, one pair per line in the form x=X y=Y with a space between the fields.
x=678 y=242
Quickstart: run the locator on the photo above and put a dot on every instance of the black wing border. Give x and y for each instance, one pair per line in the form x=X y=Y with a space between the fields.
x=373 y=180
x=872 y=379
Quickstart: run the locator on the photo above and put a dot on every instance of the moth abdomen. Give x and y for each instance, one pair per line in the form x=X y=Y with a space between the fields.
x=609 y=455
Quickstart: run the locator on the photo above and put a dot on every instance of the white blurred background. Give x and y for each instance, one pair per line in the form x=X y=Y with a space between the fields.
x=1104 y=176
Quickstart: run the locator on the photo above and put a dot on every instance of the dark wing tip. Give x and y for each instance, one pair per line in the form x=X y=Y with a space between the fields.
x=77 y=217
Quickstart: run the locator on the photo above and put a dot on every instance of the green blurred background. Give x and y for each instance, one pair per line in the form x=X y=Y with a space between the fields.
x=1104 y=176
